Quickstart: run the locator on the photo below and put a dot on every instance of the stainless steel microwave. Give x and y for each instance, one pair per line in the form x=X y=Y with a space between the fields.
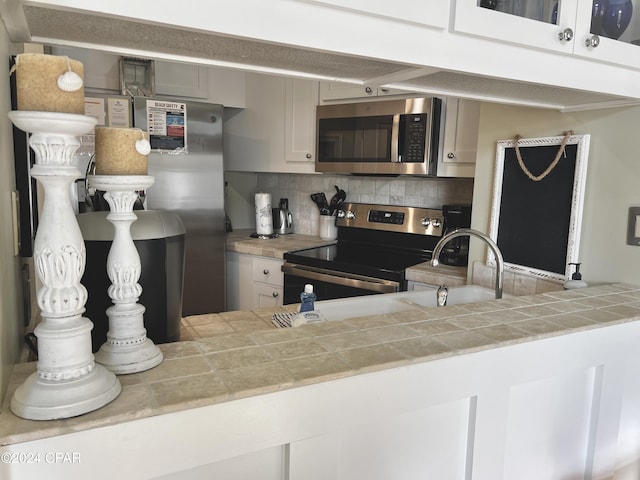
x=390 y=137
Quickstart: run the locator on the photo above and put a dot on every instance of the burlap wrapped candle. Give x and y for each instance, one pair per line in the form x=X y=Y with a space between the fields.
x=121 y=151
x=49 y=83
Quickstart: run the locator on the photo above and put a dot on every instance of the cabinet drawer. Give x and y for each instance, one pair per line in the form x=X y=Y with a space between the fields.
x=266 y=296
x=266 y=270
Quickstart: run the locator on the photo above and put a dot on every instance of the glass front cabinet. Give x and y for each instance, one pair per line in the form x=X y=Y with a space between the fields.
x=604 y=30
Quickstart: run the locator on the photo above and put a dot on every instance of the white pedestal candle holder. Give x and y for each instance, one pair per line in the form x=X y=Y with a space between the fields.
x=127 y=349
x=67 y=381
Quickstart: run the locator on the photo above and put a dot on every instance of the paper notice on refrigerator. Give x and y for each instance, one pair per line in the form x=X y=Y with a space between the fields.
x=94 y=107
x=118 y=112
x=167 y=126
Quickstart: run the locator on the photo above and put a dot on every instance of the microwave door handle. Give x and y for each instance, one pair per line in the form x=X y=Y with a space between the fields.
x=395 y=137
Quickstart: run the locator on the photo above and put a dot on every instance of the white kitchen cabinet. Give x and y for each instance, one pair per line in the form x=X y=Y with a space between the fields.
x=253 y=281
x=567 y=30
x=300 y=120
x=200 y=83
x=266 y=296
x=101 y=69
x=256 y=138
x=340 y=91
x=181 y=80
x=419 y=286
x=172 y=79
x=335 y=91
x=268 y=281
x=472 y=19
x=621 y=51
x=454 y=47
x=460 y=138
x=226 y=87
x=432 y=13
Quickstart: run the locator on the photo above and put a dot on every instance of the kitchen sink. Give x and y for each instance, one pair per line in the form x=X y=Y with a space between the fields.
x=399 y=302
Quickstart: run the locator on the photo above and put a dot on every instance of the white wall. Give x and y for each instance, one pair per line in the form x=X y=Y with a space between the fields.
x=10 y=286
x=613 y=179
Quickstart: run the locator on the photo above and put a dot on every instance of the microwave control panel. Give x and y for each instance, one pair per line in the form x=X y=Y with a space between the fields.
x=413 y=135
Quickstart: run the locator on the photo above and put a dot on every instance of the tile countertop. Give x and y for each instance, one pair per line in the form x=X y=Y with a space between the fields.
x=240 y=241
x=234 y=355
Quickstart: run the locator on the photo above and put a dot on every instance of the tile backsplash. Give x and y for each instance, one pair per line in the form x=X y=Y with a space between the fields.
x=410 y=191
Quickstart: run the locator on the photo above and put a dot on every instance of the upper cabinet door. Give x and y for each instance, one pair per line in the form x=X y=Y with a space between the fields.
x=609 y=31
x=433 y=13
x=545 y=24
x=181 y=80
x=301 y=98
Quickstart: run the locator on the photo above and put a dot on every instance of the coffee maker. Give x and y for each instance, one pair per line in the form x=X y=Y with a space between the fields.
x=456 y=251
x=282 y=218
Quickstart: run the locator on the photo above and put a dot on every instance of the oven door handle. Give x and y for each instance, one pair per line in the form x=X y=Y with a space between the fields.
x=346 y=279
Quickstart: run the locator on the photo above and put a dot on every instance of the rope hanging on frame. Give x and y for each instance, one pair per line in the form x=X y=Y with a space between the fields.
x=565 y=140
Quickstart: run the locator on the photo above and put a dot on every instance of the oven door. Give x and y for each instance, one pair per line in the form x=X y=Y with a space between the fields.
x=330 y=284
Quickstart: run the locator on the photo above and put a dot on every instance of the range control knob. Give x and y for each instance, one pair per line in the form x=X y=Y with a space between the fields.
x=425 y=222
x=350 y=215
x=436 y=222
x=340 y=214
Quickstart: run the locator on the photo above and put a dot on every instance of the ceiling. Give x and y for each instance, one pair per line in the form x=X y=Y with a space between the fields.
x=34 y=24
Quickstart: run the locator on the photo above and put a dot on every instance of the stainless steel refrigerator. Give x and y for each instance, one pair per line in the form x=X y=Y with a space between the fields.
x=186 y=161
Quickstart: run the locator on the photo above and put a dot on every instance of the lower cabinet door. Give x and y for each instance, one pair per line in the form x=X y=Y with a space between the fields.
x=266 y=296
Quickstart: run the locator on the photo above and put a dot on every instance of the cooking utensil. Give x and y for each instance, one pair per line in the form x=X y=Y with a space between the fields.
x=336 y=200
x=320 y=200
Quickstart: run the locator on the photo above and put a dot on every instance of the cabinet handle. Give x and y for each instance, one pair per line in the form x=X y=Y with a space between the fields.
x=566 y=35
x=593 y=41
x=274 y=294
x=265 y=271
x=308 y=155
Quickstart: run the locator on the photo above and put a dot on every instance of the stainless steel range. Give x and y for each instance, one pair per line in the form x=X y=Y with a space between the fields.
x=376 y=244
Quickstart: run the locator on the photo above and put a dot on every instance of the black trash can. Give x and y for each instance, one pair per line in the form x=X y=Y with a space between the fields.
x=159 y=237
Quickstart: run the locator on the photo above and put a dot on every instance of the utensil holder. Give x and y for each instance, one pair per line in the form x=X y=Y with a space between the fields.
x=327 y=229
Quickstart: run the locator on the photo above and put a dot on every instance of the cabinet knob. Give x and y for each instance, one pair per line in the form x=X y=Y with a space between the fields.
x=566 y=35
x=308 y=155
x=593 y=41
x=274 y=294
x=265 y=271
x=451 y=155
x=368 y=90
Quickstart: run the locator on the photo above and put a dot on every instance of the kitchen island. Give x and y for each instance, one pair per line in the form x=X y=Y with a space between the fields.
x=541 y=386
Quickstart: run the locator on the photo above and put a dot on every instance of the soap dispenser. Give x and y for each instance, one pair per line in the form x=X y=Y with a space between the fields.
x=307 y=299
x=576 y=279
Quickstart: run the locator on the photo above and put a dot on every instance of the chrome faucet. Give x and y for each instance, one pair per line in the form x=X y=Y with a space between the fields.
x=441 y=296
x=461 y=232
